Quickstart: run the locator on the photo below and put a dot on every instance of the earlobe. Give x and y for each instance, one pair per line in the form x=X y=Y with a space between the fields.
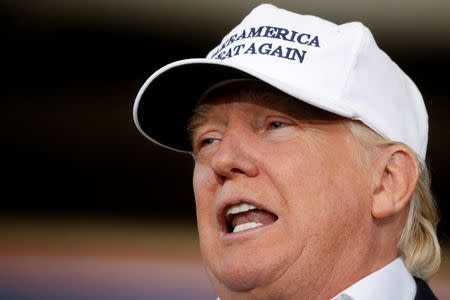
x=383 y=206
x=395 y=186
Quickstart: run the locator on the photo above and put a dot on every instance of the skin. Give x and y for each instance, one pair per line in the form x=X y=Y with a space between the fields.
x=304 y=168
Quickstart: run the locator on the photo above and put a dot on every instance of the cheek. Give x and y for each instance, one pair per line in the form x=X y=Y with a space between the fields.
x=203 y=177
x=322 y=187
x=204 y=192
x=201 y=184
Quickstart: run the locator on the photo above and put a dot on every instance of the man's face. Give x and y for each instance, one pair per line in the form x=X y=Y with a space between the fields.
x=306 y=194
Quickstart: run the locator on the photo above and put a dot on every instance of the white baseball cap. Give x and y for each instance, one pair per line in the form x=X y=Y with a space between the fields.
x=338 y=68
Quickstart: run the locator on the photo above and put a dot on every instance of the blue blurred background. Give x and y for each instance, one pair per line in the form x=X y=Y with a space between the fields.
x=92 y=210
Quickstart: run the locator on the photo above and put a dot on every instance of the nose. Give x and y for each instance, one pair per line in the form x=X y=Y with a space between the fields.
x=234 y=157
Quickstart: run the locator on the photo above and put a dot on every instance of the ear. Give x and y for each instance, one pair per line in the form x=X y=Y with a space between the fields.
x=398 y=172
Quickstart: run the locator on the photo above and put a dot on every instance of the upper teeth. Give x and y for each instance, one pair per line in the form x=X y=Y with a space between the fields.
x=238 y=208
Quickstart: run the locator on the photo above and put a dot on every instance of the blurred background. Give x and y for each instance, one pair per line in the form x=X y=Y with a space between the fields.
x=92 y=210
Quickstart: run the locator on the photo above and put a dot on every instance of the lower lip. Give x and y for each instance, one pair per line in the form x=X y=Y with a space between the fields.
x=231 y=236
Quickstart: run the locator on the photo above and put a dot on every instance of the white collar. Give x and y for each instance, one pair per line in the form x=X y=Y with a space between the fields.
x=393 y=281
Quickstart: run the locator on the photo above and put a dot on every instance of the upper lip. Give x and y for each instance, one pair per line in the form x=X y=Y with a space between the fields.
x=230 y=201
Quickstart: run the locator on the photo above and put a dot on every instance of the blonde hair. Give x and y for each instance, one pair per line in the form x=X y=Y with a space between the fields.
x=418 y=242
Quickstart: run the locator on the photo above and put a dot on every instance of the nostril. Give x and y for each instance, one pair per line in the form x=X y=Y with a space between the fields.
x=237 y=170
x=220 y=179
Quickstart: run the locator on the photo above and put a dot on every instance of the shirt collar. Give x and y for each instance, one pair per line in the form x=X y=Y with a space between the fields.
x=393 y=281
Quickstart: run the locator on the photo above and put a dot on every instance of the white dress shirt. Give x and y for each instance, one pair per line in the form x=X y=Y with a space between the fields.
x=392 y=282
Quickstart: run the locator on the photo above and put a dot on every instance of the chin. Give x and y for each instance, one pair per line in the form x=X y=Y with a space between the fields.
x=245 y=272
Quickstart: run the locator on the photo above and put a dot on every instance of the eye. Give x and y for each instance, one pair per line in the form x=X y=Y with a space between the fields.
x=205 y=138
x=276 y=125
x=206 y=141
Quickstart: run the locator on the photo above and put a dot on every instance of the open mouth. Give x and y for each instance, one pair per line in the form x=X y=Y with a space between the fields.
x=245 y=216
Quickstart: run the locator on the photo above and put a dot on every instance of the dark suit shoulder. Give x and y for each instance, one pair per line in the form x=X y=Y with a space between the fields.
x=423 y=291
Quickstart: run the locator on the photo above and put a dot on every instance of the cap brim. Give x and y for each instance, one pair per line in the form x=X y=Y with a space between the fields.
x=167 y=99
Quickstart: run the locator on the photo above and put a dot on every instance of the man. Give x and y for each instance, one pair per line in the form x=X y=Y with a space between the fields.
x=309 y=147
